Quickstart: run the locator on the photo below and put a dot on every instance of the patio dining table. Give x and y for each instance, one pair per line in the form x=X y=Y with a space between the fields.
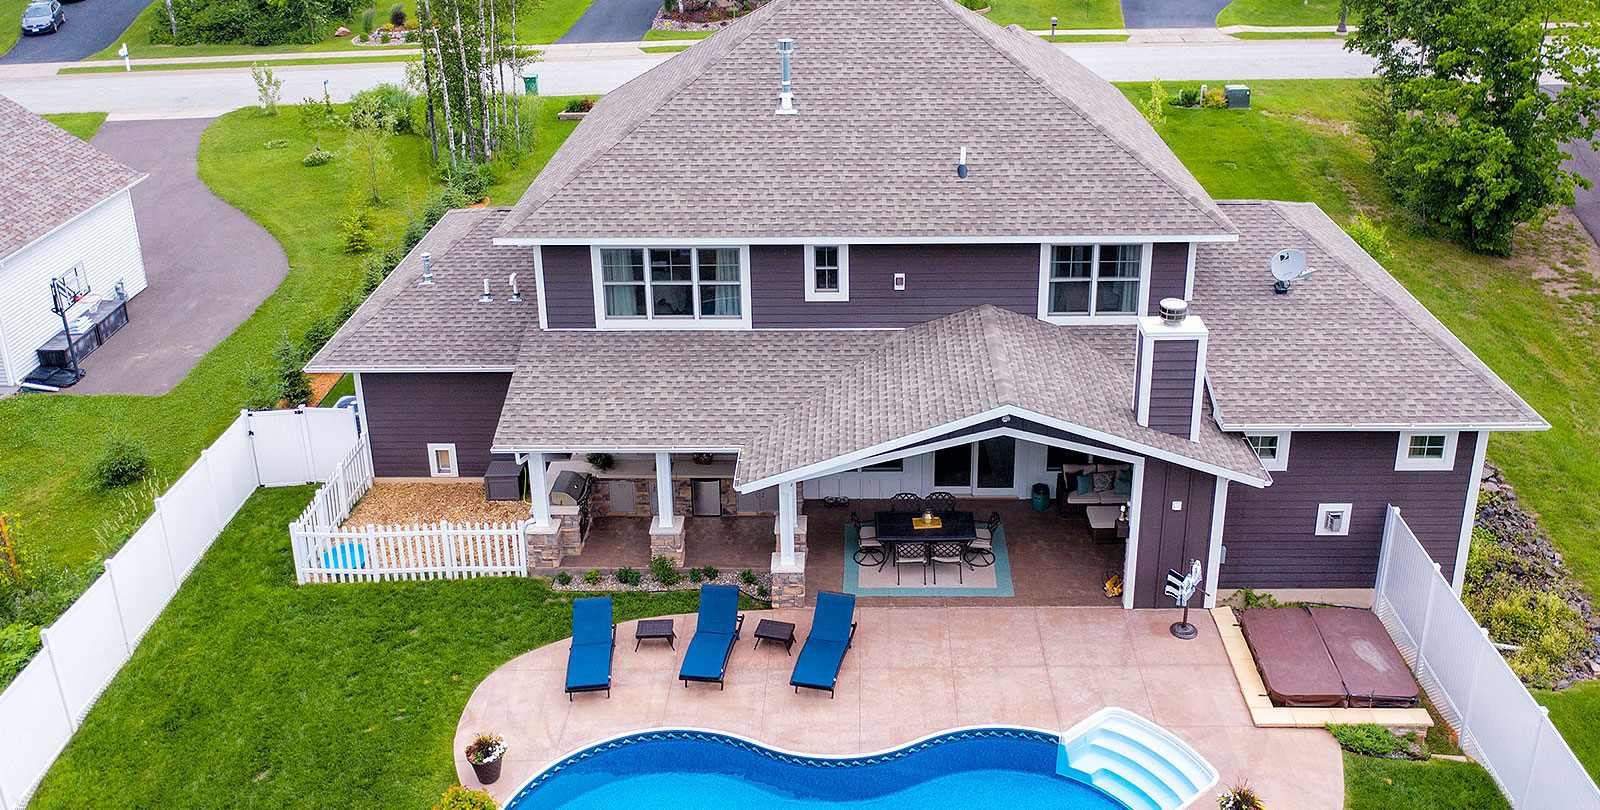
x=897 y=527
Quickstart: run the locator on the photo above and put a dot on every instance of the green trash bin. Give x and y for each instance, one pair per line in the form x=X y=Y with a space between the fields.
x=530 y=83
x=1041 y=497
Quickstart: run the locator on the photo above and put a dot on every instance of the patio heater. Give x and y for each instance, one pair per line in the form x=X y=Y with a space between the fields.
x=1181 y=588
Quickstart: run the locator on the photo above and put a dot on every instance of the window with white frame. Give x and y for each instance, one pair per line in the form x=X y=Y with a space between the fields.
x=1422 y=450
x=1271 y=448
x=1333 y=519
x=442 y=461
x=1092 y=280
x=827 y=273
x=687 y=284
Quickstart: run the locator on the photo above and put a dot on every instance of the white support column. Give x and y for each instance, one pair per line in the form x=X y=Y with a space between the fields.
x=664 y=490
x=787 y=519
x=538 y=490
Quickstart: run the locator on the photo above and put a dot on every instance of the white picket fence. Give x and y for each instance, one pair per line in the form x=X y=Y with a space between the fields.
x=84 y=649
x=324 y=551
x=1501 y=725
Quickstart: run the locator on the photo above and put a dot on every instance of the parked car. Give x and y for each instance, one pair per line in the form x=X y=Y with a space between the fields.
x=43 y=16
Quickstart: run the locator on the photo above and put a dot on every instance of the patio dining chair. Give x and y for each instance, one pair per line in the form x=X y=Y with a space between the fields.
x=869 y=549
x=910 y=553
x=948 y=552
x=980 y=552
x=905 y=502
x=940 y=503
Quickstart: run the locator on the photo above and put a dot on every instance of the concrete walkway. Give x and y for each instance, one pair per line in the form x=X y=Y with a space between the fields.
x=209 y=266
x=913 y=672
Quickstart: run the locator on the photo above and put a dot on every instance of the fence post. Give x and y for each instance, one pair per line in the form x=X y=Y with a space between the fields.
x=116 y=601
x=304 y=421
x=1521 y=799
x=55 y=671
x=166 y=543
x=211 y=490
x=448 y=541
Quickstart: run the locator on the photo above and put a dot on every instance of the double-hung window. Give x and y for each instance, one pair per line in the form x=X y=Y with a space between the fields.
x=827 y=273
x=1090 y=280
x=672 y=284
x=1426 y=451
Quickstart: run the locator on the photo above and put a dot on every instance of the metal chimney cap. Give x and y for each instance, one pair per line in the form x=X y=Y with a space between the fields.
x=785 y=45
x=1174 y=311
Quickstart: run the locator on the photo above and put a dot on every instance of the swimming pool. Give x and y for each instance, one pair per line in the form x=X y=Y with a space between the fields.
x=966 y=769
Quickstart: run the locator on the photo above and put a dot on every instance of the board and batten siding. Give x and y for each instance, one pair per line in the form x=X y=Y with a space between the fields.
x=105 y=239
x=568 y=287
x=407 y=412
x=940 y=280
x=1169 y=273
x=1270 y=534
x=1172 y=370
x=1168 y=538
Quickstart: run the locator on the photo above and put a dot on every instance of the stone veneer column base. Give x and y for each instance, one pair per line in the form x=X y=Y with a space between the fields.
x=800 y=527
x=546 y=544
x=667 y=541
x=788 y=582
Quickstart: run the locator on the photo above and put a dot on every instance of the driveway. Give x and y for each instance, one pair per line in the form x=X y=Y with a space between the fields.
x=208 y=265
x=1172 y=13
x=92 y=26
x=613 y=21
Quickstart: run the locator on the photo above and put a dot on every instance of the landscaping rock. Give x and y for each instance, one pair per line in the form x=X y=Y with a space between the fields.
x=342 y=32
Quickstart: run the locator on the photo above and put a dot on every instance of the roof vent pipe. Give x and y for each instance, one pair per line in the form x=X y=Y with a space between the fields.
x=516 y=295
x=486 y=297
x=427 y=268
x=961 y=165
x=785 y=95
x=1174 y=311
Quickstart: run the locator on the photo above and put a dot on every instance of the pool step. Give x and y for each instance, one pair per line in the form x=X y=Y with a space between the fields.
x=1140 y=763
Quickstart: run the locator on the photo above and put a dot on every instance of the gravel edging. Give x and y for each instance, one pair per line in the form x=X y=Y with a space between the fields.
x=649 y=584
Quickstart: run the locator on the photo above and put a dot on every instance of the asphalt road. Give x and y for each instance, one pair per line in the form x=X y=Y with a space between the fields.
x=92 y=26
x=208 y=265
x=613 y=21
x=1171 y=13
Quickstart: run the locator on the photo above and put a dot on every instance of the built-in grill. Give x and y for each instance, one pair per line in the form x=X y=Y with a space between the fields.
x=573 y=489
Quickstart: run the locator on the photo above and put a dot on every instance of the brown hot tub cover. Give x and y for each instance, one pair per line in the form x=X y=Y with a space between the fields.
x=1293 y=661
x=1375 y=676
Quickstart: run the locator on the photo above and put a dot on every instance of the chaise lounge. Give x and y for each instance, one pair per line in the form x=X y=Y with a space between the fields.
x=714 y=634
x=833 y=628
x=594 y=639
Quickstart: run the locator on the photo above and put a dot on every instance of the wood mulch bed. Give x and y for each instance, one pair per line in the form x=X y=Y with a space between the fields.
x=409 y=503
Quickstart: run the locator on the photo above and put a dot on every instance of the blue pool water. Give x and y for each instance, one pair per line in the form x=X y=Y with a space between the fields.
x=982 y=769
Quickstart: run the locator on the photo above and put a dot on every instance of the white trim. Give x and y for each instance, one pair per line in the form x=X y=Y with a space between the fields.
x=650 y=449
x=320 y=369
x=1376 y=427
x=538 y=285
x=788 y=519
x=1280 y=461
x=538 y=490
x=1130 y=557
x=1188 y=272
x=841 y=294
x=1141 y=388
x=1046 y=256
x=1035 y=438
x=434 y=470
x=1470 y=516
x=1152 y=329
x=853 y=239
x=1325 y=509
x=361 y=418
x=664 y=493
x=1403 y=462
x=1195 y=413
x=1219 y=510
x=693 y=321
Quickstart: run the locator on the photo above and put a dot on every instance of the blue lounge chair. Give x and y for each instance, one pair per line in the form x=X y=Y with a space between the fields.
x=718 y=628
x=833 y=628
x=594 y=638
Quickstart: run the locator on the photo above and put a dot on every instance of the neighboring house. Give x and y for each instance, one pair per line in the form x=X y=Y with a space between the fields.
x=823 y=303
x=67 y=215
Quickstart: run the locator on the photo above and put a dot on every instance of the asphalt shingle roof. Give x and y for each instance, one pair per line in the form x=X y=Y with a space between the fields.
x=49 y=176
x=1348 y=347
x=693 y=147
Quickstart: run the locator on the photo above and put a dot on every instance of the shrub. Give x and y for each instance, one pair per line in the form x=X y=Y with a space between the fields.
x=1371 y=237
x=761 y=591
x=383 y=37
x=600 y=461
x=288 y=360
x=1187 y=97
x=280 y=143
x=356 y=228
x=485 y=748
x=1367 y=739
x=694 y=575
x=317 y=157
x=662 y=569
x=628 y=576
x=18 y=643
x=388 y=100
x=576 y=105
x=591 y=577
x=710 y=572
x=269 y=88
x=1239 y=797
x=1519 y=610
x=1214 y=99
x=262 y=390
x=367 y=20
x=747 y=576
x=121 y=462
x=457 y=797
x=397 y=15
x=563 y=578
x=471 y=179
x=975 y=5
x=1155 y=107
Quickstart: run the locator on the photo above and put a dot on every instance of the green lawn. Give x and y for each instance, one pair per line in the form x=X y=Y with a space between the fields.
x=1035 y=14
x=1287 y=35
x=345 y=386
x=409 y=56
x=83 y=125
x=656 y=34
x=11 y=17
x=665 y=49
x=251 y=691
x=1059 y=38
x=155 y=17
x=1575 y=708
x=1436 y=784
x=1282 y=12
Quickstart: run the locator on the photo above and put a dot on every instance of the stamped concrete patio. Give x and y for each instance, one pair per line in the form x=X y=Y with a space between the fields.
x=912 y=672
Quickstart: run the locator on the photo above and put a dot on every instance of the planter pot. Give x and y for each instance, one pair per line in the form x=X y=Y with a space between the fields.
x=487 y=772
x=570 y=116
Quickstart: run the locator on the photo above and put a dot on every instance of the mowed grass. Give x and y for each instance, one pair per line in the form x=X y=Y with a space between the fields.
x=10 y=22
x=656 y=35
x=83 y=125
x=1391 y=784
x=251 y=691
x=1287 y=35
x=1036 y=14
x=1300 y=144
x=51 y=441
x=1282 y=12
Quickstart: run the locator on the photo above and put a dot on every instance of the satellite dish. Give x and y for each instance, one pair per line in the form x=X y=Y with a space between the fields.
x=1289 y=265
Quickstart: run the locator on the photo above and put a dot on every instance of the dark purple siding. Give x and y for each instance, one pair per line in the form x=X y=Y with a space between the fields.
x=1172 y=369
x=568 y=288
x=940 y=279
x=407 y=412
x=1270 y=533
x=1169 y=273
x=1167 y=539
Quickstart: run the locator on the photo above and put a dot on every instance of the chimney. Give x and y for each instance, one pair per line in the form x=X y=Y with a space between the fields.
x=1170 y=370
x=427 y=268
x=786 y=94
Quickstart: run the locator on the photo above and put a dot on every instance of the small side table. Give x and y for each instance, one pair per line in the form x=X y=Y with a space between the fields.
x=656 y=629
x=773 y=630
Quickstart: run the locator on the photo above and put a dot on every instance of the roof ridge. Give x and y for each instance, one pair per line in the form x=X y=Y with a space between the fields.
x=998 y=359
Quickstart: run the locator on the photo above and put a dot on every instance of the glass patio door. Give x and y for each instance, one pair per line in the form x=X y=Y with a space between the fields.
x=988 y=467
x=952 y=468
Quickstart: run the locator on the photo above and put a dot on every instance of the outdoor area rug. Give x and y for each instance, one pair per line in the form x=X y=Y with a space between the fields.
x=993 y=580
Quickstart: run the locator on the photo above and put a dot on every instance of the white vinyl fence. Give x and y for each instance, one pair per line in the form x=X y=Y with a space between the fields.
x=1501 y=725
x=325 y=552
x=89 y=643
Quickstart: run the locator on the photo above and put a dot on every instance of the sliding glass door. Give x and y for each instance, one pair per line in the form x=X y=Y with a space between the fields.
x=988 y=467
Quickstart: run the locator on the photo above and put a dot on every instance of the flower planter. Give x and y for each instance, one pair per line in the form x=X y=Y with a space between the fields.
x=570 y=116
x=487 y=772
